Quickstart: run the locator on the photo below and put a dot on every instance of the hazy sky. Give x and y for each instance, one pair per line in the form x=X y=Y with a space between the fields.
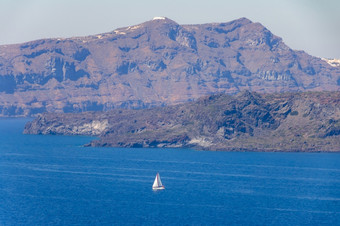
x=309 y=25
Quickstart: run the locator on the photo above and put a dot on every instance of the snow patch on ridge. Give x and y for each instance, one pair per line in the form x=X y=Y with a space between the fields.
x=119 y=32
x=332 y=62
x=159 y=18
x=134 y=27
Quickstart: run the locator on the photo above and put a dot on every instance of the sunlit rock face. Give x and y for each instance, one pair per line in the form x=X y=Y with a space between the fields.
x=156 y=63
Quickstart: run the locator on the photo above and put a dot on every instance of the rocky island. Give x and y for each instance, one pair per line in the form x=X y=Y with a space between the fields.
x=244 y=122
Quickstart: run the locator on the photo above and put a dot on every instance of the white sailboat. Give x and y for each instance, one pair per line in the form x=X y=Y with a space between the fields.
x=157 y=184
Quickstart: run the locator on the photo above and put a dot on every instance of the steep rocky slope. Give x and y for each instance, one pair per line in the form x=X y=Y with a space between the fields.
x=155 y=63
x=248 y=121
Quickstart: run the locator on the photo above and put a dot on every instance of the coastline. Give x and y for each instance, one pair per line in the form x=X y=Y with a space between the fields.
x=289 y=122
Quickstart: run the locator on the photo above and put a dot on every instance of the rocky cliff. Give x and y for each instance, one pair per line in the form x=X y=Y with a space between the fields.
x=155 y=63
x=247 y=121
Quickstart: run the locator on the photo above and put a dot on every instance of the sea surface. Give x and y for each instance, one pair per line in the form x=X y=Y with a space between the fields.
x=53 y=180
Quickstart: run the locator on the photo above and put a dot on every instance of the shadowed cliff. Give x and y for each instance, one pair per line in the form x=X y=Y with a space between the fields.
x=248 y=121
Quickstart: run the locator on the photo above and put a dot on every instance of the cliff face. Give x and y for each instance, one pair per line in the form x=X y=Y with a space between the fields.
x=155 y=63
x=248 y=121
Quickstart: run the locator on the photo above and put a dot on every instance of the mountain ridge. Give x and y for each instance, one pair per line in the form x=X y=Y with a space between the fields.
x=155 y=63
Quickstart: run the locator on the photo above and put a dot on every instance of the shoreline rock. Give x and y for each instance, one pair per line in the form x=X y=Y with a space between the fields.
x=308 y=122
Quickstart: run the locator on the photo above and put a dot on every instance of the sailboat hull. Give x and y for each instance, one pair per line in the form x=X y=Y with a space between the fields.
x=158 y=188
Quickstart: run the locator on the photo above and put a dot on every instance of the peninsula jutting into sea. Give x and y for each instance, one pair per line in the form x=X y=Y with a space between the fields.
x=244 y=122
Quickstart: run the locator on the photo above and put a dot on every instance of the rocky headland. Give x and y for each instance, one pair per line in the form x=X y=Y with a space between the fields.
x=247 y=121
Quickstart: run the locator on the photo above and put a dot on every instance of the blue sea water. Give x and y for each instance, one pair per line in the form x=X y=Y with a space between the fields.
x=53 y=180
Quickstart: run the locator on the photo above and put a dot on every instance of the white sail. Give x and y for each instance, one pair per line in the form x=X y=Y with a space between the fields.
x=159 y=181
x=157 y=184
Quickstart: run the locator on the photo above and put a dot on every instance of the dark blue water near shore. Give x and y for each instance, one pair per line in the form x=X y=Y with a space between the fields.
x=53 y=180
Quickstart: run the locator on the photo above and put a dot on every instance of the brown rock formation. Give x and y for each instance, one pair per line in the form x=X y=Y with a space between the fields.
x=247 y=121
x=155 y=63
